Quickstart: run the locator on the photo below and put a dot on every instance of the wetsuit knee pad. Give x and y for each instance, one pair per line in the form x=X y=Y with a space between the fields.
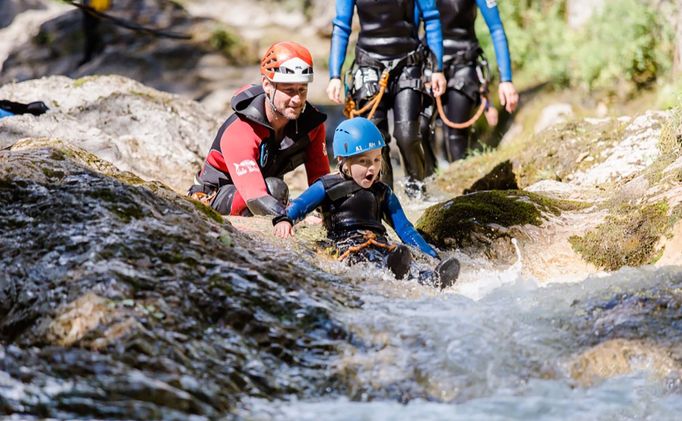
x=278 y=189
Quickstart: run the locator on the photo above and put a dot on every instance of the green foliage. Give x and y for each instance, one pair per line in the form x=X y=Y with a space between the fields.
x=623 y=48
x=537 y=35
x=625 y=44
x=231 y=46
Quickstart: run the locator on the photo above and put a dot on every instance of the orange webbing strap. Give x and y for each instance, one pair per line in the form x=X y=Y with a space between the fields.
x=371 y=241
x=376 y=99
x=464 y=125
x=203 y=197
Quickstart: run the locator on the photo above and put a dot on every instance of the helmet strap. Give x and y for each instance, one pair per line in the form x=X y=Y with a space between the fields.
x=271 y=101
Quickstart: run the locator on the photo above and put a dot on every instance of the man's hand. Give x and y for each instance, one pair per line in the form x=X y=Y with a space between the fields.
x=509 y=98
x=284 y=229
x=334 y=90
x=438 y=83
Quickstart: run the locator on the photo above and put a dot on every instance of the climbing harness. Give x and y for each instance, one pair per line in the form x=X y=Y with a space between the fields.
x=365 y=60
x=373 y=103
x=371 y=240
x=127 y=24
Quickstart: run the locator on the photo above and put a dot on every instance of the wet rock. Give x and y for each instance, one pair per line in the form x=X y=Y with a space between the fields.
x=619 y=357
x=624 y=332
x=484 y=222
x=121 y=299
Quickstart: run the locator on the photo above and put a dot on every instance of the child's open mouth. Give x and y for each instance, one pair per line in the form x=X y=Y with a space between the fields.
x=369 y=177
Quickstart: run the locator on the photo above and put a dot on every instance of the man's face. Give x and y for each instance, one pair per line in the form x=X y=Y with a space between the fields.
x=288 y=98
x=364 y=168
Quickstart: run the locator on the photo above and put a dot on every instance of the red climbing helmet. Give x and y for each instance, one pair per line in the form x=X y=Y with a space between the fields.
x=287 y=62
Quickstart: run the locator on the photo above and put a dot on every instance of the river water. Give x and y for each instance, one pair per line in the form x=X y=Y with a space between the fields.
x=501 y=353
x=499 y=346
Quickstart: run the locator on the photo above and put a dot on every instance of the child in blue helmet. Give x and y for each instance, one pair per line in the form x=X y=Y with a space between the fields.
x=354 y=202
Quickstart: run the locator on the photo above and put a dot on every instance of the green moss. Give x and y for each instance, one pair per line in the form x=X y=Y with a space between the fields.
x=675 y=216
x=456 y=219
x=57 y=155
x=208 y=211
x=669 y=146
x=626 y=238
x=82 y=81
x=43 y=39
x=50 y=173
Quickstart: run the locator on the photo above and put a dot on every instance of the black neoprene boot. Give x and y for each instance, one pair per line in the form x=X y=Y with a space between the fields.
x=448 y=272
x=399 y=261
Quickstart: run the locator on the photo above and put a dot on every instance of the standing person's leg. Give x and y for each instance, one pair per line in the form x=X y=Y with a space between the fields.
x=459 y=102
x=458 y=108
x=426 y=121
x=406 y=108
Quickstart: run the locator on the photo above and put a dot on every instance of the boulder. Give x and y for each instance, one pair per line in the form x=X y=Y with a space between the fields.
x=121 y=299
x=156 y=135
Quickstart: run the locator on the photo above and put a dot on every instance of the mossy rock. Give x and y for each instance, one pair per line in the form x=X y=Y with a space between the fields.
x=470 y=219
x=627 y=238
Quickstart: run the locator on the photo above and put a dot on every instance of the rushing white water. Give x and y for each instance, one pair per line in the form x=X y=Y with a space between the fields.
x=504 y=355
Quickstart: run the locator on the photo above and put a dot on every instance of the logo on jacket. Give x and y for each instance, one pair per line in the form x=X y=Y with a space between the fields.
x=246 y=166
x=491 y=3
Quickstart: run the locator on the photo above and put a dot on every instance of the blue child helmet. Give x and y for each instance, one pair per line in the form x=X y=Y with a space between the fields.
x=355 y=136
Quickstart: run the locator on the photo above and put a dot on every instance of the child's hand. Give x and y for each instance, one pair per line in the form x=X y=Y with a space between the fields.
x=284 y=229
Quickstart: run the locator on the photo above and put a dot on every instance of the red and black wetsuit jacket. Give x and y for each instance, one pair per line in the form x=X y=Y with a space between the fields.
x=245 y=151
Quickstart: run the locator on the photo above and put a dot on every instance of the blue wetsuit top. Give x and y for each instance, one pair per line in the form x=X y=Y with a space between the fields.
x=315 y=194
x=424 y=11
x=491 y=15
x=4 y=113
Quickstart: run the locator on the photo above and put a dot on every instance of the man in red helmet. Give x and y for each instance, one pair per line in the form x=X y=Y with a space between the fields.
x=272 y=131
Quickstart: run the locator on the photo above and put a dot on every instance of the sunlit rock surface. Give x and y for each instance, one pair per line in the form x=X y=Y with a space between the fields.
x=611 y=187
x=156 y=135
x=121 y=299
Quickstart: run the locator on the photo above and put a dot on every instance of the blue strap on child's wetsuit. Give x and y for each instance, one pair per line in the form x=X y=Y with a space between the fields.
x=342 y=26
x=491 y=15
x=404 y=228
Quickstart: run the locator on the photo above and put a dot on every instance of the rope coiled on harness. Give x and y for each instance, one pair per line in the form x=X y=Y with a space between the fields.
x=373 y=103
